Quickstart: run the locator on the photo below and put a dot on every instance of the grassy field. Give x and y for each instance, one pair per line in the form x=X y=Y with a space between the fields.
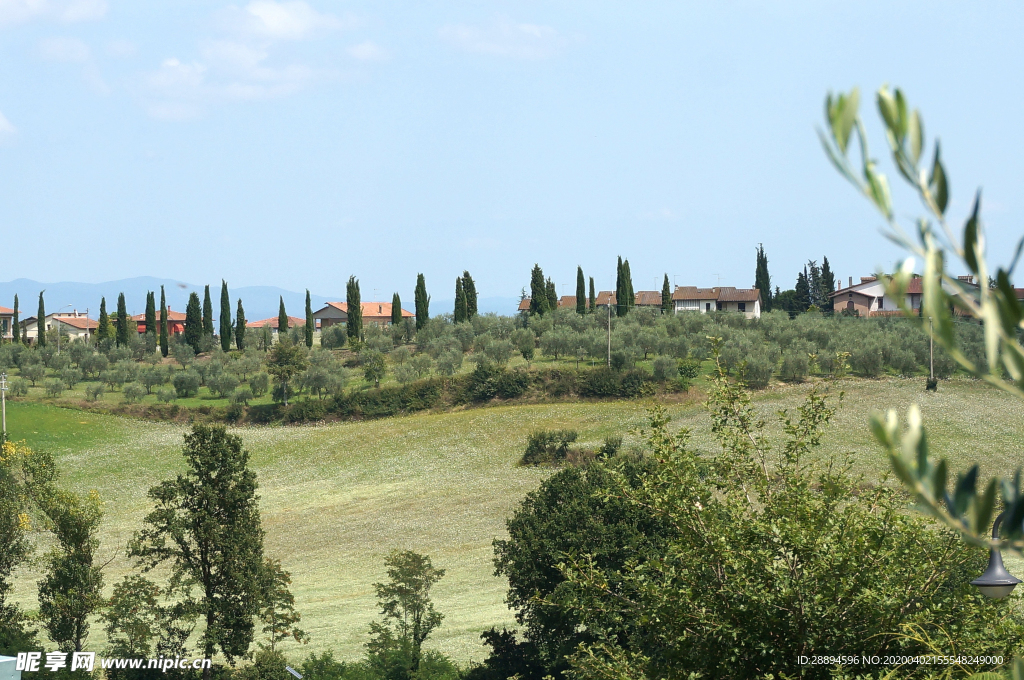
x=335 y=499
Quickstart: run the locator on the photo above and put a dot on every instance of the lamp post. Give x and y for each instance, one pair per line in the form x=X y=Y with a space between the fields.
x=56 y=317
x=996 y=582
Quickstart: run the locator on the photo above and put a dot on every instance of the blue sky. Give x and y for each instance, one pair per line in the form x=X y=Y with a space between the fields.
x=295 y=143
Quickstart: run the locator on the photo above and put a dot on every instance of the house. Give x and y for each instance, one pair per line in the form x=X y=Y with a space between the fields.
x=73 y=324
x=648 y=298
x=378 y=313
x=604 y=299
x=718 y=299
x=293 y=321
x=645 y=298
x=175 y=322
x=6 y=322
x=869 y=297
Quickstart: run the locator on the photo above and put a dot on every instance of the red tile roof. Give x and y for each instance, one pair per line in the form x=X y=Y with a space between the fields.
x=567 y=302
x=605 y=297
x=370 y=309
x=719 y=294
x=171 y=316
x=272 y=322
x=524 y=305
x=80 y=322
x=5 y=311
x=648 y=298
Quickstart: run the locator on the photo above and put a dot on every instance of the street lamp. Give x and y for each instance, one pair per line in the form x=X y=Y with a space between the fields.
x=996 y=582
x=56 y=317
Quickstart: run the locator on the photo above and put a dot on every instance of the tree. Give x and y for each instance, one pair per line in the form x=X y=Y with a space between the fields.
x=41 y=322
x=621 y=290
x=628 y=281
x=225 y=316
x=15 y=324
x=151 y=313
x=803 y=291
x=666 y=297
x=282 y=319
x=164 y=345
x=461 y=314
x=469 y=288
x=592 y=301
x=374 y=366
x=538 y=293
x=278 y=613
x=14 y=550
x=206 y=528
x=551 y=294
x=193 y=323
x=240 y=326
x=422 y=302
x=122 y=321
x=408 y=613
x=396 y=310
x=828 y=286
x=103 y=326
x=353 y=309
x=284 y=362
x=581 y=291
x=762 y=280
x=207 y=313
x=310 y=322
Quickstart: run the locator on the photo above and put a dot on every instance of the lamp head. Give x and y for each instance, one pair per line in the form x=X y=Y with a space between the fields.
x=996 y=582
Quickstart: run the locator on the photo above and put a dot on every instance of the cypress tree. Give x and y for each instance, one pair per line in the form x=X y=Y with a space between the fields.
x=828 y=286
x=41 y=322
x=551 y=294
x=581 y=291
x=620 y=290
x=122 y=322
x=193 y=322
x=282 y=319
x=151 y=313
x=310 y=323
x=15 y=326
x=103 y=329
x=666 y=297
x=207 y=313
x=164 y=345
x=469 y=289
x=592 y=302
x=803 y=291
x=240 y=326
x=460 y=301
x=627 y=279
x=762 y=280
x=422 y=302
x=396 y=310
x=538 y=293
x=225 y=316
x=354 y=305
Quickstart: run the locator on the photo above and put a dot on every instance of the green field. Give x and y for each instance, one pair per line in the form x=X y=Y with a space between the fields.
x=336 y=498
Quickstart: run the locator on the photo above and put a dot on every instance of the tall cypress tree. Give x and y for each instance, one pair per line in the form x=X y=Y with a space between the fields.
x=581 y=291
x=151 y=313
x=538 y=293
x=828 y=286
x=103 y=329
x=762 y=280
x=592 y=302
x=354 y=309
x=240 y=326
x=422 y=302
x=207 y=313
x=41 y=322
x=164 y=345
x=460 y=301
x=620 y=290
x=396 y=310
x=122 y=322
x=666 y=297
x=225 y=316
x=469 y=289
x=15 y=325
x=628 y=282
x=282 y=319
x=193 y=322
x=803 y=291
x=310 y=322
x=551 y=294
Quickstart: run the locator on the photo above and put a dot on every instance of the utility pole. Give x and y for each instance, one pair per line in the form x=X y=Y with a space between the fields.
x=609 y=331
x=3 y=407
x=931 y=350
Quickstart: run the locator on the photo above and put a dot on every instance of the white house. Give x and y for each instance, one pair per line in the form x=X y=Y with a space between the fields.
x=869 y=297
x=74 y=324
x=719 y=299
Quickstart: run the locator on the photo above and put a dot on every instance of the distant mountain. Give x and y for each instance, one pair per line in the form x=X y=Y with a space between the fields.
x=260 y=302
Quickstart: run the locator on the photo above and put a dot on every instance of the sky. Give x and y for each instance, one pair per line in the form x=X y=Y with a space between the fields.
x=295 y=143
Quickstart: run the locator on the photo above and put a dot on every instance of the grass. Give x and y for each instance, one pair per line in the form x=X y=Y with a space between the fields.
x=336 y=498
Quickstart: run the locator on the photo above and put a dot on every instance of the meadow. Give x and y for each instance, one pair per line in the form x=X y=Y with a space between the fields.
x=336 y=498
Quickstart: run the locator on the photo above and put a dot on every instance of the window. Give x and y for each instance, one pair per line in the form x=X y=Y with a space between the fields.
x=880 y=302
x=742 y=306
x=688 y=304
x=707 y=307
x=718 y=306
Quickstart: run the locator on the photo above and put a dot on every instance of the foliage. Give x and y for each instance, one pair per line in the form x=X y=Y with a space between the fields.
x=186 y=383
x=422 y=302
x=354 y=309
x=133 y=393
x=164 y=347
x=408 y=614
x=225 y=317
x=14 y=550
x=54 y=387
x=278 y=614
x=374 y=366
x=193 y=323
x=547 y=446
x=538 y=294
x=284 y=362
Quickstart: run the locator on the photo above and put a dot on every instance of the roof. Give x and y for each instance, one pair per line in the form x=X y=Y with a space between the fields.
x=5 y=310
x=81 y=322
x=272 y=322
x=915 y=287
x=370 y=309
x=604 y=298
x=171 y=316
x=649 y=298
x=567 y=301
x=719 y=294
x=524 y=305
x=694 y=293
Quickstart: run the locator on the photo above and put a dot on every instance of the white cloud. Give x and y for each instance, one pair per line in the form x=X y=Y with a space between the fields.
x=290 y=20
x=66 y=11
x=505 y=38
x=6 y=127
x=70 y=50
x=121 y=48
x=368 y=51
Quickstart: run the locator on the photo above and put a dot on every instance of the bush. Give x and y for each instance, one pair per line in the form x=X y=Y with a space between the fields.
x=94 y=391
x=512 y=384
x=260 y=382
x=133 y=393
x=223 y=385
x=665 y=368
x=600 y=382
x=33 y=372
x=866 y=359
x=758 y=369
x=619 y=360
x=166 y=395
x=547 y=446
x=611 y=446
x=19 y=387
x=71 y=377
x=186 y=383
x=54 y=387
x=242 y=395
x=795 y=366
x=405 y=374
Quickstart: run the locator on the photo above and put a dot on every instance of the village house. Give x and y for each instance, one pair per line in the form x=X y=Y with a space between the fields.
x=272 y=322
x=719 y=299
x=175 y=322
x=378 y=313
x=868 y=297
x=73 y=324
x=6 y=322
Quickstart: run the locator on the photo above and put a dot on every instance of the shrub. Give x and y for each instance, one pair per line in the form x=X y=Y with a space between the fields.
x=71 y=377
x=166 y=395
x=449 y=362
x=512 y=384
x=152 y=377
x=866 y=359
x=133 y=393
x=611 y=446
x=94 y=391
x=795 y=366
x=186 y=383
x=405 y=374
x=19 y=387
x=600 y=382
x=260 y=382
x=633 y=383
x=93 y=364
x=242 y=395
x=547 y=446
x=665 y=368
x=619 y=360
x=234 y=412
x=758 y=369
x=33 y=372
x=54 y=387
x=223 y=385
